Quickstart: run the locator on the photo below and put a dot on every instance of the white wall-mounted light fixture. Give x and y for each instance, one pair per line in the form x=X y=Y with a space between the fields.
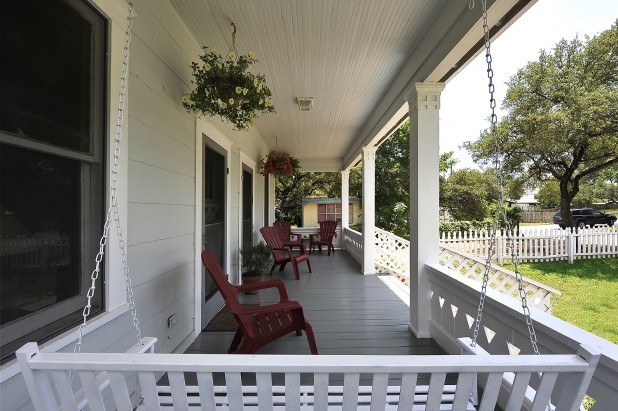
x=305 y=103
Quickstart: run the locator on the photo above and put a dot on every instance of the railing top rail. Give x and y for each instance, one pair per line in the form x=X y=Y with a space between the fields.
x=499 y=268
x=306 y=363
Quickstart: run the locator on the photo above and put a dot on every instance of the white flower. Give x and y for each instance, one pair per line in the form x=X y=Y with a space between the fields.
x=232 y=56
x=207 y=67
x=231 y=101
x=223 y=105
x=259 y=88
x=256 y=82
x=185 y=98
x=261 y=101
x=245 y=91
x=239 y=90
x=251 y=55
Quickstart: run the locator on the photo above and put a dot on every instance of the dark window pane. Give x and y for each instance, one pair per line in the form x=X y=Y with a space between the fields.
x=45 y=73
x=40 y=237
x=321 y=208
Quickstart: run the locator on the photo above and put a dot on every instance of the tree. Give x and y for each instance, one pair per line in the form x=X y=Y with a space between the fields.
x=393 y=183
x=549 y=194
x=562 y=117
x=446 y=162
x=465 y=194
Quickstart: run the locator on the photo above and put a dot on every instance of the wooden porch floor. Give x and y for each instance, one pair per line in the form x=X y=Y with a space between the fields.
x=350 y=313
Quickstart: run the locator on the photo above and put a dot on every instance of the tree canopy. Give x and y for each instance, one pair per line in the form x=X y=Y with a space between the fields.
x=562 y=117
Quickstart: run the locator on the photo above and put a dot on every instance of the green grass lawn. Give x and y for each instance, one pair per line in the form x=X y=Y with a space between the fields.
x=589 y=289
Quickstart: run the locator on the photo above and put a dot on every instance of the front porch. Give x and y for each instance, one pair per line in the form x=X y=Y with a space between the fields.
x=350 y=314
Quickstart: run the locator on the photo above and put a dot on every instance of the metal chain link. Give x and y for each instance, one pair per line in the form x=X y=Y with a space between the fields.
x=500 y=208
x=112 y=211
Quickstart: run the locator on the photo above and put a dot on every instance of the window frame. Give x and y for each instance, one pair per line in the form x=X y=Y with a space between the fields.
x=91 y=201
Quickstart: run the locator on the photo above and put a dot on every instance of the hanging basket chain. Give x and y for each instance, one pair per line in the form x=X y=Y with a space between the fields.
x=112 y=211
x=500 y=208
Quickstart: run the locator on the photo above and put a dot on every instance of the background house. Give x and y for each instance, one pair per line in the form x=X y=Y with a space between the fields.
x=317 y=209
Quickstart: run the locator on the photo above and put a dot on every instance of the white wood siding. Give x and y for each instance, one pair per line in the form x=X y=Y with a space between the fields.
x=161 y=202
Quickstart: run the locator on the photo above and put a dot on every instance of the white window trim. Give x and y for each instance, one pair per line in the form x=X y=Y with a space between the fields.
x=204 y=127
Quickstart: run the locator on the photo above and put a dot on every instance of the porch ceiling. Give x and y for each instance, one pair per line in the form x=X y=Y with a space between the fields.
x=357 y=58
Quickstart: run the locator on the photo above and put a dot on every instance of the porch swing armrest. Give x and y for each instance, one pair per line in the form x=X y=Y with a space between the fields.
x=260 y=285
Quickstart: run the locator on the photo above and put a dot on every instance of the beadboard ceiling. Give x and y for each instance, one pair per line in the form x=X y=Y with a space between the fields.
x=346 y=54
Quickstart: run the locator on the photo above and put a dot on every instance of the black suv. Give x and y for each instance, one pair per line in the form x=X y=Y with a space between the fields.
x=586 y=216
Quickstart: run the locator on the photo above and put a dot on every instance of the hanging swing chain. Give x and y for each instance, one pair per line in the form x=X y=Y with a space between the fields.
x=500 y=207
x=112 y=211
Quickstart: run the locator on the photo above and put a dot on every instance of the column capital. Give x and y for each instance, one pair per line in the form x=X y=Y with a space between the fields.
x=425 y=96
x=345 y=173
x=369 y=152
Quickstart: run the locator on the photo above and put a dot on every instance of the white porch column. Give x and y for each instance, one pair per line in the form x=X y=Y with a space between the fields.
x=345 y=199
x=369 y=208
x=424 y=106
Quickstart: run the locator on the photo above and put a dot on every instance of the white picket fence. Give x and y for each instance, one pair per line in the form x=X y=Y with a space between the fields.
x=539 y=245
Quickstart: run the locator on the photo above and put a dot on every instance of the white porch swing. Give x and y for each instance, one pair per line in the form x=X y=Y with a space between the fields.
x=296 y=382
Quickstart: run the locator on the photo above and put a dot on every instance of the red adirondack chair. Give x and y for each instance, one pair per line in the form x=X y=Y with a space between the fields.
x=290 y=239
x=324 y=236
x=260 y=325
x=283 y=254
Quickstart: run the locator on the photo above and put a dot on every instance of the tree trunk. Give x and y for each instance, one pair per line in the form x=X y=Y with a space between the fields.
x=565 y=203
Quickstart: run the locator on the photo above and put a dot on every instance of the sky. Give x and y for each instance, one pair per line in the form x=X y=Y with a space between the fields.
x=465 y=100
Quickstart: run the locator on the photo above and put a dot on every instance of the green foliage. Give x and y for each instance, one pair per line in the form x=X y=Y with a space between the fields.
x=589 y=289
x=549 y=194
x=562 y=119
x=228 y=89
x=393 y=183
x=256 y=259
x=461 y=226
x=446 y=162
x=466 y=195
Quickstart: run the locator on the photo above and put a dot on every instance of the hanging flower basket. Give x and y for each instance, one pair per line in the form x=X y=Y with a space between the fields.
x=226 y=88
x=278 y=164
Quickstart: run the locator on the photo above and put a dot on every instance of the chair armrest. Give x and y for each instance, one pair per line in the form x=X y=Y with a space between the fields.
x=286 y=305
x=260 y=285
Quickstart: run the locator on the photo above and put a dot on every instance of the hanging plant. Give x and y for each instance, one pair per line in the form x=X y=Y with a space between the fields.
x=278 y=164
x=226 y=87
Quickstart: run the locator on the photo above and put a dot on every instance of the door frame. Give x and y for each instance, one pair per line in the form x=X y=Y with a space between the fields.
x=205 y=130
x=249 y=163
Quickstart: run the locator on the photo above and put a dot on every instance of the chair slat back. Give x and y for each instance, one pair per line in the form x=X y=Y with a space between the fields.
x=273 y=239
x=229 y=293
x=328 y=229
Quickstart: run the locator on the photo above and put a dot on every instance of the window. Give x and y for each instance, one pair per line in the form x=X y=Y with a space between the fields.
x=329 y=212
x=51 y=166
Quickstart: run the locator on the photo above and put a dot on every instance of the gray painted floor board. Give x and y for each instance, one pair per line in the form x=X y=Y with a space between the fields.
x=350 y=313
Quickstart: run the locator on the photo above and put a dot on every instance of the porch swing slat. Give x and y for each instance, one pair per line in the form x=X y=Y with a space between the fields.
x=320 y=395
x=492 y=389
x=119 y=390
x=292 y=392
x=350 y=391
x=463 y=389
x=234 y=390
x=149 y=390
x=408 y=388
x=436 y=388
x=91 y=389
x=206 y=390
x=378 y=391
x=264 y=390
x=63 y=387
x=179 y=394
x=518 y=391
x=541 y=399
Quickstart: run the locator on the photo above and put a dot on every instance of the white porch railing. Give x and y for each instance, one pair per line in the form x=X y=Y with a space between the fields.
x=542 y=244
x=392 y=255
x=353 y=244
x=454 y=305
